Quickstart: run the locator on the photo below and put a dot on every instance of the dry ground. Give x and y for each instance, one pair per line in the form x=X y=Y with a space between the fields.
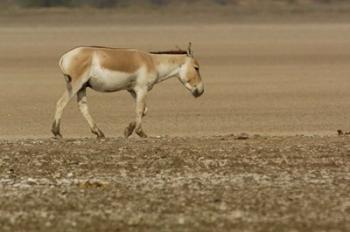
x=176 y=184
x=269 y=78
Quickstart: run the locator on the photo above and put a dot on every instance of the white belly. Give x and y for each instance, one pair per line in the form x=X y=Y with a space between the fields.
x=104 y=80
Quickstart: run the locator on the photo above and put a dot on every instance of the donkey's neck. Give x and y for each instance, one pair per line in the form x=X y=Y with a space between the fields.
x=168 y=66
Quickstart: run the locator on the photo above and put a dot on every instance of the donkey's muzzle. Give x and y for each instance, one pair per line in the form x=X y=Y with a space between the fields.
x=197 y=92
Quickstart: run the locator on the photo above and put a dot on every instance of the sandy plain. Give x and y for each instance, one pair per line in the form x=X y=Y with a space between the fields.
x=269 y=78
x=273 y=79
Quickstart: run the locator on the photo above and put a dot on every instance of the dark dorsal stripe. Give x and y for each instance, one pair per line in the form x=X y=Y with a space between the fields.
x=171 y=52
x=168 y=52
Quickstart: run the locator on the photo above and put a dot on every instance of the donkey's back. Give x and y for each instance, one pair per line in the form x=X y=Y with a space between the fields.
x=79 y=61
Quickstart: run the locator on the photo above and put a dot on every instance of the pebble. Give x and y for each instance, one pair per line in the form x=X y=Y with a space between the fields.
x=242 y=136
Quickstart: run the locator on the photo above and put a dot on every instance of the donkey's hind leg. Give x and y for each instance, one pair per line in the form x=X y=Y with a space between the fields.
x=61 y=104
x=83 y=106
x=72 y=89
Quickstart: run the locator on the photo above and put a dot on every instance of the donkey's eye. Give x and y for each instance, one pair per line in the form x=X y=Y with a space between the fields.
x=196 y=68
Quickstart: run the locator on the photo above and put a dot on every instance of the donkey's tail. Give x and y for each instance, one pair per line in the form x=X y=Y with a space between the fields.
x=68 y=80
x=67 y=77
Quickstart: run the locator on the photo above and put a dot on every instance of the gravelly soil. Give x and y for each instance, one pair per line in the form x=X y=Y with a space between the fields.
x=218 y=183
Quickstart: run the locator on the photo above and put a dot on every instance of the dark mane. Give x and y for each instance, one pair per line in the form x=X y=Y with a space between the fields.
x=102 y=47
x=171 y=52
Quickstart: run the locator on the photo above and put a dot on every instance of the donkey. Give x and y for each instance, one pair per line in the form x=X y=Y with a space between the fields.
x=107 y=69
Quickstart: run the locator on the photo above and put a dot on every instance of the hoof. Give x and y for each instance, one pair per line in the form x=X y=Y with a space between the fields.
x=101 y=136
x=340 y=132
x=141 y=133
x=55 y=129
x=98 y=133
x=129 y=129
x=57 y=136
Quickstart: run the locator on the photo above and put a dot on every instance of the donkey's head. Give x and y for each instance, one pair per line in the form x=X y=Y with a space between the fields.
x=190 y=76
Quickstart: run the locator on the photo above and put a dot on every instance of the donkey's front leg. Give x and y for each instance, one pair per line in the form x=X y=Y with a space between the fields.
x=140 y=104
x=132 y=124
x=140 y=109
x=129 y=129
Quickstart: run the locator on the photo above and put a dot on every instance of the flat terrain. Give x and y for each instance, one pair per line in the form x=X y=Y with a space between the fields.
x=176 y=184
x=286 y=81
x=267 y=78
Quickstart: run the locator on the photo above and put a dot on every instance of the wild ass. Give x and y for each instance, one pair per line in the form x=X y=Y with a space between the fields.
x=112 y=69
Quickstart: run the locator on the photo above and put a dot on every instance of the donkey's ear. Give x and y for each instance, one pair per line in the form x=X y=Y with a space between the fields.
x=189 y=49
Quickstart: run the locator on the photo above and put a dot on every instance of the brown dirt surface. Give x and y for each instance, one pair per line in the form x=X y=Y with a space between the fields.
x=218 y=183
x=273 y=78
x=259 y=78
